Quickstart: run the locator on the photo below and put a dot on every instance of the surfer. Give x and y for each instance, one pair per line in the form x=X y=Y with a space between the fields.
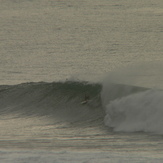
x=86 y=98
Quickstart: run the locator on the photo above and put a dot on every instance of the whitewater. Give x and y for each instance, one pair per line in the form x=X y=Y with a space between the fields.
x=53 y=53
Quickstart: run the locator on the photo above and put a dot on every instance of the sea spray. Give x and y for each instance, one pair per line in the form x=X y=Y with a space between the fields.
x=137 y=112
x=141 y=74
x=132 y=98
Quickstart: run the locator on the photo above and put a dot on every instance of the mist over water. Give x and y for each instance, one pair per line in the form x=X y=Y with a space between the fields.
x=132 y=98
x=142 y=74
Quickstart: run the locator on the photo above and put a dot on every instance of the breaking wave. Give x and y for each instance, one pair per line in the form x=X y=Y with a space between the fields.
x=58 y=100
x=121 y=107
x=135 y=109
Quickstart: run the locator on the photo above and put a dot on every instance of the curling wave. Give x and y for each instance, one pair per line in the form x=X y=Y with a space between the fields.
x=122 y=107
x=58 y=100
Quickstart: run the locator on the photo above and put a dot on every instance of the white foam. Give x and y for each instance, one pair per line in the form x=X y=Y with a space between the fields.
x=137 y=112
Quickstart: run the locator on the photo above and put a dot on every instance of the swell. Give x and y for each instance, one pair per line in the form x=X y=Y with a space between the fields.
x=59 y=100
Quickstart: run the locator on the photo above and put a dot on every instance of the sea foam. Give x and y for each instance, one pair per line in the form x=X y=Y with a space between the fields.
x=136 y=112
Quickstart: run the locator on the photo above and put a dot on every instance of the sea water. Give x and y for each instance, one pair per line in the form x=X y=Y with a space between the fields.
x=53 y=53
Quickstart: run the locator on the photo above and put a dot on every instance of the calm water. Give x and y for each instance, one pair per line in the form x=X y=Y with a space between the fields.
x=48 y=42
x=54 y=40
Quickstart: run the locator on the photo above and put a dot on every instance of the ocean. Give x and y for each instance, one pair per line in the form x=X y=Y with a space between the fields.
x=53 y=53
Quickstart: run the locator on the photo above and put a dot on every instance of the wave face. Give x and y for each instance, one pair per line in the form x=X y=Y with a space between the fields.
x=59 y=100
x=136 y=109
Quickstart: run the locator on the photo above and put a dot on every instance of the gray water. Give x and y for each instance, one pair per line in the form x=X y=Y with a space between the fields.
x=56 y=40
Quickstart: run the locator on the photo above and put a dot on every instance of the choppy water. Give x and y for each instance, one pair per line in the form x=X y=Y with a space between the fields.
x=52 y=53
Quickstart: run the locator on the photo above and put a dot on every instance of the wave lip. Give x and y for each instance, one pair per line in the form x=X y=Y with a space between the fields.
x=136 y=112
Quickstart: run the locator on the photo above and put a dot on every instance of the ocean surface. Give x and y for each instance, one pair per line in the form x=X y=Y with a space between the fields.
x=53 y=53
